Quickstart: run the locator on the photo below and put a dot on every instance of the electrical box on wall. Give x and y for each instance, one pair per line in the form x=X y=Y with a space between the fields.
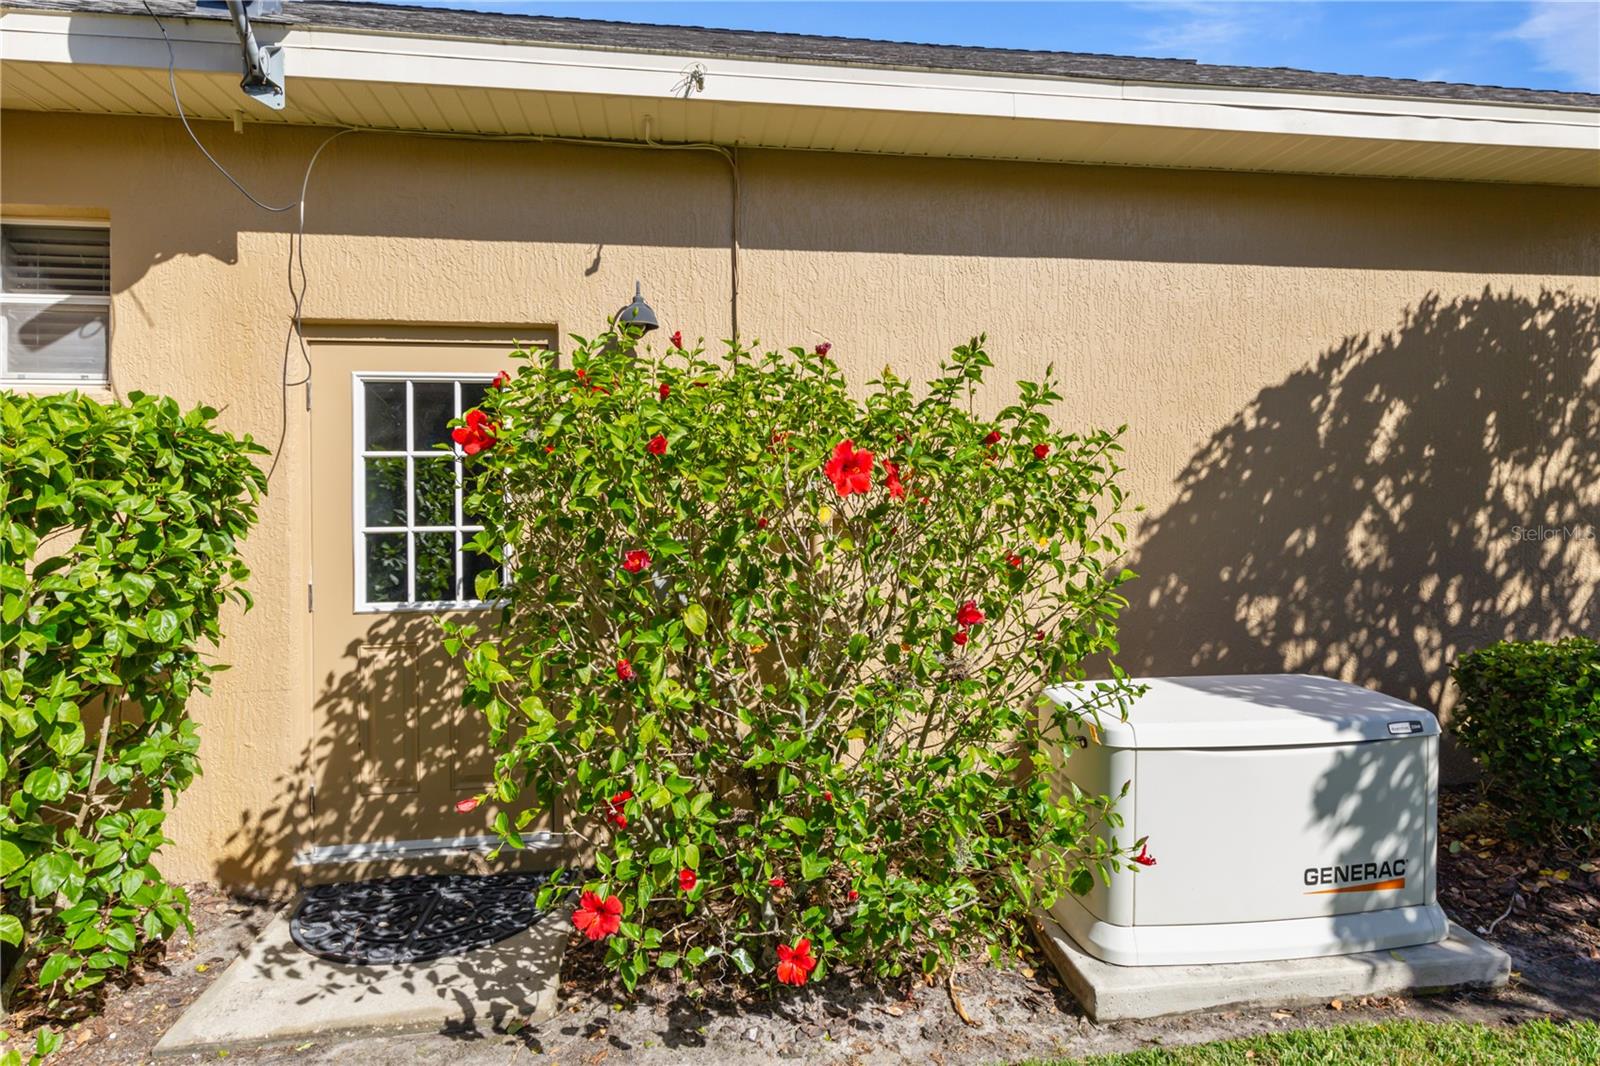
x=1289 y=815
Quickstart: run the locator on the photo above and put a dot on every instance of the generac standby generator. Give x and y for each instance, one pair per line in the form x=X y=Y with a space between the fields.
x=1289 y=816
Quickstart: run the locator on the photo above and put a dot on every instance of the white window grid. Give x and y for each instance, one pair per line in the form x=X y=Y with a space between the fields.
x=44 y=299
x=465 y=598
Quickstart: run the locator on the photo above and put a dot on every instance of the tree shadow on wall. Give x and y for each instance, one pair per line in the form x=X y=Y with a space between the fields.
x=1407 y=498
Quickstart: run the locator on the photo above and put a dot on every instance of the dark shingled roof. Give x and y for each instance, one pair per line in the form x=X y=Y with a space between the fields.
x=806 y=48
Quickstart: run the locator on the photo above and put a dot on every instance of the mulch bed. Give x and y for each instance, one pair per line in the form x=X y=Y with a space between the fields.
x=1539 y=901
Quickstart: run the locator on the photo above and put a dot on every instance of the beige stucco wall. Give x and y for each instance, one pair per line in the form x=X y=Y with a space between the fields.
x=1343 y=394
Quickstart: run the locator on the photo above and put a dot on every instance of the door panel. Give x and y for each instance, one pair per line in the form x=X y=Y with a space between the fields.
x=394 y=748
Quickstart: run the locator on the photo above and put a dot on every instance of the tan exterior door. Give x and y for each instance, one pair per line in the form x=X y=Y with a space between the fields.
x=394 y=749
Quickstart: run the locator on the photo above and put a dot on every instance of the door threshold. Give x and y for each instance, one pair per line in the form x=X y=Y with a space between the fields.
x=389 y=850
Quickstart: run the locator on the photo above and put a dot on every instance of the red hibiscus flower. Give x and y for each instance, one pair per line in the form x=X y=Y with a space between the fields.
x=665 y=390
x=849 y=470
x=993 y=437
x=851 y=896
x=1013 y=559
x=828 y=796
x=677 y=339
x=478 y=434
x=969 y=615
x=1041 y=450
x=618 y=804
x=891 y=481
x=795 y=963
x=625 y=671
x=761 y=523
x=468 y=805
x=1038 y=634
x=824 y=348
x=657 y=445
x=636 y=560
x=960 y=636
x=501 y=379
x=583 y=375
x=597 y=918
x=1144 y=858
x=687 y=880
x=777 y=882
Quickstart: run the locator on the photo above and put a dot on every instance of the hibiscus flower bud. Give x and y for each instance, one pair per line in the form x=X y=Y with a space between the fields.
x=1144 y=858
x=959 y=636
x=1041 y=450
x=468 y=805
x=1013 y=559
x=625 y=670
x=993 y=437
x=687 y=880
x=665 y=390
x=824 y=348
x=852 y=895
x=968 y=614
x=657 y=445
x=761 y=523
x=777 y=882
x=677 y=339
x=501 y=379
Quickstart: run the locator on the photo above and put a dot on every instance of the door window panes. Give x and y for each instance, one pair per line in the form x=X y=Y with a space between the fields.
x=413 y=536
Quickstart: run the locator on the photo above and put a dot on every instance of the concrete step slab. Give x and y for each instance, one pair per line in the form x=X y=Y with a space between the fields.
x=279 y=993
x=1115 y=993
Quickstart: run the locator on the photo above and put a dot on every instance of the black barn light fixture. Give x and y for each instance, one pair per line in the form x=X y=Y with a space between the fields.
x=638 y=313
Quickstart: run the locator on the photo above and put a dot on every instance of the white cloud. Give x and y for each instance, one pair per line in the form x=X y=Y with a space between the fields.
x=1216 y=31
x=1565 y=37
x=1204 y=31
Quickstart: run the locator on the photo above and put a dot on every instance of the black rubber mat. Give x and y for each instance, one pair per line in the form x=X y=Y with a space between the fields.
x=414 y=919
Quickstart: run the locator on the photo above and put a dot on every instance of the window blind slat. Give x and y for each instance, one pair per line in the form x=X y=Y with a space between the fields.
x=55 y=260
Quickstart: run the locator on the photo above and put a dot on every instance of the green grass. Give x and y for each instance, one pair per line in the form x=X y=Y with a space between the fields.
x=1535 y=1043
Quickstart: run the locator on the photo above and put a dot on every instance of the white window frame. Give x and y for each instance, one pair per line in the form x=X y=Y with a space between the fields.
x=358 y=493
x=36 y=299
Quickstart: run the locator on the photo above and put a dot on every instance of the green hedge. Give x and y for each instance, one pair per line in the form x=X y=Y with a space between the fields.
x=1530 y=713
x=119 y=547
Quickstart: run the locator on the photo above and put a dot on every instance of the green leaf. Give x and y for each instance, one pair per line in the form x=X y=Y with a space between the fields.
x=10 y=929
x=161 y=625
x=11 y=858
x=694 y=619
x=741 y=959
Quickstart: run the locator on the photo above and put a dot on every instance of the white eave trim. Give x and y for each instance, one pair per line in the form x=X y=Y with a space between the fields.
x=341 y=56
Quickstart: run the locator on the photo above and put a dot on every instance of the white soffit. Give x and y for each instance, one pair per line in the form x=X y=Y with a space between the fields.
x=116 y=64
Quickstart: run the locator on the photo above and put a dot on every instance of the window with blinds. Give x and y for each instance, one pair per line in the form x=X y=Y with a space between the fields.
x=55 y=294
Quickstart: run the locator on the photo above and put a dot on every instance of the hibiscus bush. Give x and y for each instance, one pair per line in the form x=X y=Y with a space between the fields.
x=772 y=648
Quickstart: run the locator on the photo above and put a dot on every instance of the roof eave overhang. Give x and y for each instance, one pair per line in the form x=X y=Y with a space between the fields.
x=481 y=87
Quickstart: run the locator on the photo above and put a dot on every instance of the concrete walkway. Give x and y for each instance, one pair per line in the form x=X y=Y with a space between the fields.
x=277 y=993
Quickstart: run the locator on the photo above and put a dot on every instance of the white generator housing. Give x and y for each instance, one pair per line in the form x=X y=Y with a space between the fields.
x=1289 y=816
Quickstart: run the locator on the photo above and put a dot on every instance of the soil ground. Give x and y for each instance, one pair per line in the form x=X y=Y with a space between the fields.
x=1549 y=899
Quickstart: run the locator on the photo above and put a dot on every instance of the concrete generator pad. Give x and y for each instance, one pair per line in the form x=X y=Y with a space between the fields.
x=1115 y=993
x=277 y=992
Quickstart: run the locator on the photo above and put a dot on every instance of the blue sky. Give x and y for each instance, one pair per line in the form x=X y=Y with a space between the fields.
x=1542 y=45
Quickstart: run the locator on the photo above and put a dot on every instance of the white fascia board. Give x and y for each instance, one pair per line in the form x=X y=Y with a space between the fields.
x=334 y=55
